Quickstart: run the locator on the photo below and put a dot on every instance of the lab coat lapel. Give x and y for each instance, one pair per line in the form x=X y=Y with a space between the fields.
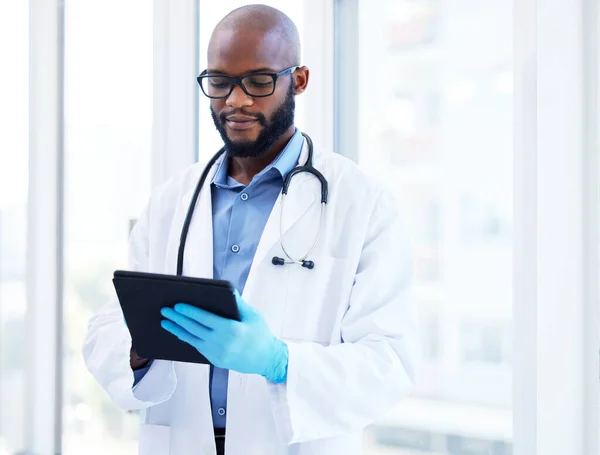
x=198 y=256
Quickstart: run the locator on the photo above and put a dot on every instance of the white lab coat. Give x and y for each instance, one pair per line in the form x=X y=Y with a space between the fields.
x=350 y=324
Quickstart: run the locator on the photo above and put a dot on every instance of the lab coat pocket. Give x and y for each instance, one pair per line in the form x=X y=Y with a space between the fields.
x=316 y=299
x=155 y=440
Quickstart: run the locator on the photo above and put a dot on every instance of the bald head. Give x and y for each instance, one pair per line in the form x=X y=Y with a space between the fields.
x=259 y=25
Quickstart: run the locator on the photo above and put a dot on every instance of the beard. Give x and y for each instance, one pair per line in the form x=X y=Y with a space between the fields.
x=273 y=129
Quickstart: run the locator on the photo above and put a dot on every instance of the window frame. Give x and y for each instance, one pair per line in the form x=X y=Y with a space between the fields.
x=176 y=66
x=45 y=215
x=555 y=392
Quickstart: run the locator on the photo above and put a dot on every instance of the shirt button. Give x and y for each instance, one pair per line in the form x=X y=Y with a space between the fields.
x=235 y=248
x=244 y=197
x=221 y=411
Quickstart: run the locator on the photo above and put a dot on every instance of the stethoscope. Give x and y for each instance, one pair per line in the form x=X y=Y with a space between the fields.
x=308 y=167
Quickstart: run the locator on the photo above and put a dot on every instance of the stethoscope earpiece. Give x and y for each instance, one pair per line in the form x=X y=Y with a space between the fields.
x=280 y=261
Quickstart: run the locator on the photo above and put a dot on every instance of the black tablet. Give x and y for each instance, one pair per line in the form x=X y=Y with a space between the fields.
x=142 y=295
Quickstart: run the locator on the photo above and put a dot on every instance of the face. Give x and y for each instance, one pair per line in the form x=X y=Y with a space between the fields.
x=250 y=126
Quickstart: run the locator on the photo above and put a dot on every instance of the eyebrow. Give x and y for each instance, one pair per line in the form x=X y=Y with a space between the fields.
x=254 y=71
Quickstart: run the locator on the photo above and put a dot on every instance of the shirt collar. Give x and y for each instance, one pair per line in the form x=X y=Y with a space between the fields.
x=283 y=164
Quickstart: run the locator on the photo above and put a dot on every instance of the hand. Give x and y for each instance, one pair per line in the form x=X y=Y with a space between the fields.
x=135 y=361
x=245 y=346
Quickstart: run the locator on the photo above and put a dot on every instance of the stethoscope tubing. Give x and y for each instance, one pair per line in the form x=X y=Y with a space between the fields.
x=308 y=167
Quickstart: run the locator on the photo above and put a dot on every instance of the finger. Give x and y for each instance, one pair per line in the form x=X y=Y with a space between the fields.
x=190 y=325
x=181 y=333
x=206 y=318
x=206 y=348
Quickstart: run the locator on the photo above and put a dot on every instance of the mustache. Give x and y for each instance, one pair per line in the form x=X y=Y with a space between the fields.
x=258 y=116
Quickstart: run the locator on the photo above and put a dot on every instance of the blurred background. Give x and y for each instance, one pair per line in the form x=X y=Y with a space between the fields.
x=433 y=98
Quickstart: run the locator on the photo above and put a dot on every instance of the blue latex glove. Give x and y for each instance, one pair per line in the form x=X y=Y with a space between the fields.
x=245 y=346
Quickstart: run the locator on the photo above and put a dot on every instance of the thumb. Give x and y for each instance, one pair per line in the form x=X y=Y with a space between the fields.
x=247 y=312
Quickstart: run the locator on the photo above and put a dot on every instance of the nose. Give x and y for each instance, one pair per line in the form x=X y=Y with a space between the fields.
x=238 y=98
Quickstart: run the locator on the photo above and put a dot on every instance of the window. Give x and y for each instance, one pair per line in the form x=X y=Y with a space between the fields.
x=434 y=109
x=14 y=142
x=431 y=340
x=485 y=343
x=108 y=118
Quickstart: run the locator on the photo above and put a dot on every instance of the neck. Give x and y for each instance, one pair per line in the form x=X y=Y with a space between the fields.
x=243 y=170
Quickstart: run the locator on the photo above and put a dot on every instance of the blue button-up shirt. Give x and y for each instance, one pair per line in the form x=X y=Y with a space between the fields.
x=239 y=216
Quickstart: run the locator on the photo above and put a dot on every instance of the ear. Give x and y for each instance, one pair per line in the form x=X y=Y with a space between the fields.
x=301 y=76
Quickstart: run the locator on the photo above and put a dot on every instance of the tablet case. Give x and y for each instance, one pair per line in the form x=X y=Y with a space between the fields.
x=142 y=295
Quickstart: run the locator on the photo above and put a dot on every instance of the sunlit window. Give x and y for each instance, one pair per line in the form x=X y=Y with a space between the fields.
x=435 y=116
x=108 y=120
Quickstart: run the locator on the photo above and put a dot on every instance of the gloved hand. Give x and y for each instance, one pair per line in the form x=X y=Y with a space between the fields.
x=245 y=346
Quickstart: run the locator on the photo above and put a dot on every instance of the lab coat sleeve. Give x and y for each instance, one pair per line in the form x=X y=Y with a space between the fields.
x=108 y=342
x=340 y=389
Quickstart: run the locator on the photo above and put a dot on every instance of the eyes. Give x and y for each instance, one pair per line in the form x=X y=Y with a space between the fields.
x=257 y=85
x=254 y=85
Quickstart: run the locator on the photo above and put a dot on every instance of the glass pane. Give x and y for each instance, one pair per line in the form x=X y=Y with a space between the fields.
x=435 y=116
x=210 y=15
x=14 y=144
x=109 y=65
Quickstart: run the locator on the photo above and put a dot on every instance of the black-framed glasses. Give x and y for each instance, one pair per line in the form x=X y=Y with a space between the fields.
x=256 y=85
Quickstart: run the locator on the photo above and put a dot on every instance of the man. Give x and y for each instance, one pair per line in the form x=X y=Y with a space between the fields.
x=320 y=352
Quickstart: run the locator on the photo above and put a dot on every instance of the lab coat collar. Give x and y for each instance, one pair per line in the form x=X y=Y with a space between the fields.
x=198 y=257
x=283 y=163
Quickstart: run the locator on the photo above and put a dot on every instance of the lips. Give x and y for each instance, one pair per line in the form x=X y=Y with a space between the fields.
x=237 y=122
